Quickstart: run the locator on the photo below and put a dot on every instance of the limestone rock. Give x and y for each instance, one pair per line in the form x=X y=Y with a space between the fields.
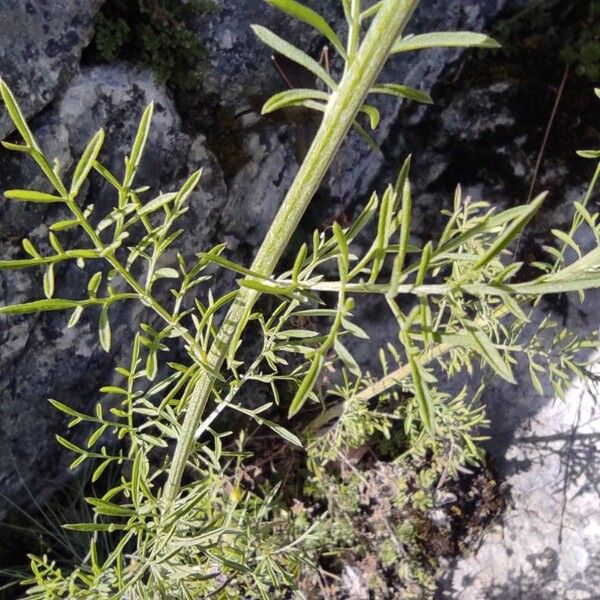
x=40 y=47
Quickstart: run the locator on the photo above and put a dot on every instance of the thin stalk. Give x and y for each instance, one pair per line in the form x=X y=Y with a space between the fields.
x=338 y=117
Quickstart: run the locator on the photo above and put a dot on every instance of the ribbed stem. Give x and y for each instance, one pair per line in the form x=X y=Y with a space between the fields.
x=341 y=112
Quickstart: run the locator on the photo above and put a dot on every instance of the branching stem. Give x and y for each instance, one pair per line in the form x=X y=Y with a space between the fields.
x=338 y=117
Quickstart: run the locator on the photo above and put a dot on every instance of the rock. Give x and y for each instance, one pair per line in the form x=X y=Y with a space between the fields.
x=239 y=66
x=41 y=46
x=257 y=191
x=39 y=356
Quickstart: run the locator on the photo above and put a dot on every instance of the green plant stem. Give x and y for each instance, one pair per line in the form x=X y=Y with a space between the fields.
x=338 y=117
x=142 y=293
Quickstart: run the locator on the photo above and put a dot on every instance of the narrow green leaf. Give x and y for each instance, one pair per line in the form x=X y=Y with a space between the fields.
x=38 y=306
x=16 y=115
x=111 y=389
x=364 y=218
x=510 y=233
x=17 y=147
x=366 y=137
x=424 y=264
x=151 y=365
x=400 y=258
x=188 y=187
x=355 y=330
x=93 y=527
x=535 y=380
x=103 y=507
x=94 y=284
x=49 y=281
x=66 y=409
x=423 y=396
x=568 y=241
x=55 y=243
x=594 y=154
x=488 y=351
x=444 y=39
x=104 y=329
x=299 y=262
x=136 y=472
x=75 y=317
x=32 y=196
x=372 y=113
x=342 y=243
x=86 y=162
x=96 y=435
x=107 y=175
x=133 y=162
x=306 y=386
x=310 y=17
x=279 y=430
x=346 y=357
x=383 y=232
x=166 y=273
x=403 y=91
x=294 y=54
x=267 y=287
x=293 y=97
x=70 y=446
x=156 y=203
x=286 y=334
x=99 y=470
x=30 y=248
x=64 y=225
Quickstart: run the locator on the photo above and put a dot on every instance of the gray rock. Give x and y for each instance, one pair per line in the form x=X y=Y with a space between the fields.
x=257 y=191
x=40 y=47
x=40 y=357
x=239 y=66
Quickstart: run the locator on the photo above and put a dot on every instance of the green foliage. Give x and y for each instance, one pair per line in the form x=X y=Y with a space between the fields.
x=569 y=31
x=585 y=51
x=187 y=516
x=156 y=34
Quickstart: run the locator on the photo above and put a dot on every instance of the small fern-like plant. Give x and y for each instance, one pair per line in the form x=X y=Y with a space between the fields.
x=182 y=520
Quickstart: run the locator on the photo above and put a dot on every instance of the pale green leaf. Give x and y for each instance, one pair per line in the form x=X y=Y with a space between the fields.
x=510 y=233
x=104 y=329
x=49 y=281
x=403 y=91
x=488 y=351
x=86 y=162
x=444 y=39
x=16 y=115
x=294 y=54
x=36 y=306
x=310 y=17
x=32 y=196
x=139 y=144
x=306 y=386
x=294 y=97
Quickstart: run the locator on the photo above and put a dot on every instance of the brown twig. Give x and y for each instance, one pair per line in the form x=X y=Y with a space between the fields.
x=549 y=127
